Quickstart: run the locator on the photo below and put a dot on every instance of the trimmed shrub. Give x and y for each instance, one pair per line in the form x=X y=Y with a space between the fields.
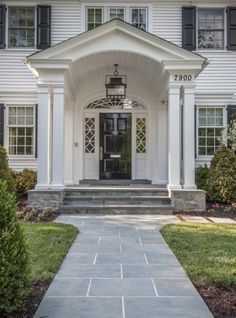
x=13 y=255
x=221 y=181
x=25 y=181
x=5 y=172
x=201 y=176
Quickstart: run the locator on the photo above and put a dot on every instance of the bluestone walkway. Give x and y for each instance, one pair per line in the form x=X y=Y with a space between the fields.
x=121 y=267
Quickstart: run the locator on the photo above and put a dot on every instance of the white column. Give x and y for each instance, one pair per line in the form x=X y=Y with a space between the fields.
x=58 y=139
x=174 y=138
x=188 y=138
x=43 y=137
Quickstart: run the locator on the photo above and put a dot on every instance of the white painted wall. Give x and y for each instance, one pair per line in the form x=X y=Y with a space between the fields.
x=215 y=86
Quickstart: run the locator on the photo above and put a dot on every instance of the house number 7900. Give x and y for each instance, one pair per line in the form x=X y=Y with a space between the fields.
x=180 y=77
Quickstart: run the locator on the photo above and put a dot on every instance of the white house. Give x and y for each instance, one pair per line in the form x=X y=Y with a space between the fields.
x=176 y=59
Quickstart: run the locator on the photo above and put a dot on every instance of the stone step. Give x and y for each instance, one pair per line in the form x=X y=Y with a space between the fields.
x=110 y=200
x=116 y=191
x=116 y=209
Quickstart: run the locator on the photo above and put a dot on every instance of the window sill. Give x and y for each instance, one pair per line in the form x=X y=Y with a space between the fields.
x=21 y=49
x=22 y=158
x=211 y=51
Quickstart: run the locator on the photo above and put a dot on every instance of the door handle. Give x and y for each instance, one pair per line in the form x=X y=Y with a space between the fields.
x=101 y=153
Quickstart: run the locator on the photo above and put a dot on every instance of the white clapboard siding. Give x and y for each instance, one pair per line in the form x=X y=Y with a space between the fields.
x=66 y=20
x=167 y=20
x=220 y=75
x=15 y=76
x=23 y=163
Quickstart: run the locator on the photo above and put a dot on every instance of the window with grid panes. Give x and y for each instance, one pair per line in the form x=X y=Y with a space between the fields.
x=94 y=17
x=116 y=13
x=211 y=28
x=139 y=18
x=21 y=27
x=210 y=129
x=21 y=130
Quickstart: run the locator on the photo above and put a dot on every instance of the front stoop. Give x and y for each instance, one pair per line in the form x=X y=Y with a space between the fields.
x=116 y=200
x=119 y=200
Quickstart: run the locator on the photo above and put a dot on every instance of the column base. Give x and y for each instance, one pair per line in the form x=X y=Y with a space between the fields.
x=188 y=200
x=174 y=187
x=46 y=198
x=190 y=187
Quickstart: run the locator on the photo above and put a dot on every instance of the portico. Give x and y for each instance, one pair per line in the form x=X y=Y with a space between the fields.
x=148 y=136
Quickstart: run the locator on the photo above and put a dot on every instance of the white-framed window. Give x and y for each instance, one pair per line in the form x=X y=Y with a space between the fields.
x=116 y=12
x=211 y=28
x=21 y=27
x=94 y=17
x=210 y=127
x=137 y=16
x=21 y=130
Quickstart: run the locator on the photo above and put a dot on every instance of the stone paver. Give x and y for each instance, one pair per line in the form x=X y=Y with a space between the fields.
x=121 y=267
x=195 y=219
x=222 y=220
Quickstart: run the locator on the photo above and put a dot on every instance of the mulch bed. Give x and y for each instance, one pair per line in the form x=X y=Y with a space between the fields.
x=222 y=303
x=33 y=300
x=213 y=210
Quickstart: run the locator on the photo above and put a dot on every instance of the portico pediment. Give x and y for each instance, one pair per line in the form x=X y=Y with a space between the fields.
x=116 y=35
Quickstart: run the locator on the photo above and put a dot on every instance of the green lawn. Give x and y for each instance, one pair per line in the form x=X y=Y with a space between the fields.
x=206 y=251
x=48 y=244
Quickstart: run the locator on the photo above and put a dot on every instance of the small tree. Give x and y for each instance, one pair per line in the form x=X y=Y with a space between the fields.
x=221 y=180
x=13 y=255
x=5 y=171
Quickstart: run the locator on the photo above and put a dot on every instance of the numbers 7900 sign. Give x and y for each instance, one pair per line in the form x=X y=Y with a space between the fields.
x=184 y=78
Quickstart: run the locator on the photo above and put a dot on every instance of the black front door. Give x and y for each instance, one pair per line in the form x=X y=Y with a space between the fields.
x=115 y=146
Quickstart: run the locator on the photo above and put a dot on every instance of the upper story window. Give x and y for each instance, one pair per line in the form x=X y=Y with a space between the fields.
x=211 y=29
x=21 y=27
x=21 y=130
x=94 y=17
x=210 y=126
x=137 y=16
x=116 y=13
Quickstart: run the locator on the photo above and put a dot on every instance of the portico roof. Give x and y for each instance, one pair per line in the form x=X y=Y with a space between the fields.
x=119 y=36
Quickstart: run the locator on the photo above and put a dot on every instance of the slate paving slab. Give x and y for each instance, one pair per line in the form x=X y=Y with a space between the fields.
x=121 y=267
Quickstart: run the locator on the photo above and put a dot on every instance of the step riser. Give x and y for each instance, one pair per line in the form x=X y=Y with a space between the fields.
x=97 y=201
x=118 y=193
x=112 y=211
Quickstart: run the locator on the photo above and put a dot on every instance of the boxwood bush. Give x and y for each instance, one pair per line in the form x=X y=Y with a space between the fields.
x=221 y=179
x=5 y=172
x=13 y=255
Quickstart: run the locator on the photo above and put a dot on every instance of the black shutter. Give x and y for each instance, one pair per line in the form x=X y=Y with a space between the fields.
x=2 y=26
x=189 y=28
x=2 y=124
x=36 y=131
x=231 y=113
x=43 y=26
x=231 y=28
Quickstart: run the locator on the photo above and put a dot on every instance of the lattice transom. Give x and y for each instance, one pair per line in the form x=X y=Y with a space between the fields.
x=141 y=135
x=115 y=104
x=89 y=127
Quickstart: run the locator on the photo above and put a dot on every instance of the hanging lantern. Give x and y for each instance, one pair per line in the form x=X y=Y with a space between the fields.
x=116 y=85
